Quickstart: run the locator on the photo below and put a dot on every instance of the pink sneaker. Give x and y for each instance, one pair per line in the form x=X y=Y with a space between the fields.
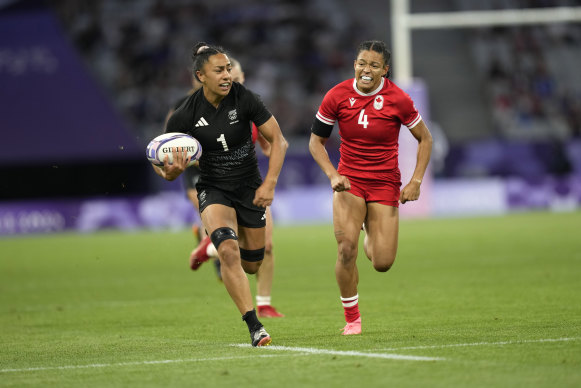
x=268 y=312
x=353 y=327
x=199 y=254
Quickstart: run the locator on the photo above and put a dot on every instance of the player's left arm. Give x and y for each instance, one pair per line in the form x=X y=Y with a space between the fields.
x=271 y=132
x=411 y=191
x=264 y=145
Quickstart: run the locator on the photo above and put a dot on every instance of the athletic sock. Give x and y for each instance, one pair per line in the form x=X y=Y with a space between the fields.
x=262 y=300
x=351 y=308
x=251 y=320
x=211 y=251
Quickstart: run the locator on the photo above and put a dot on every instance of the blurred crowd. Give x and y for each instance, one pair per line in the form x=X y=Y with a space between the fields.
x=292 y=51
x=532 y=80
x=530 y=74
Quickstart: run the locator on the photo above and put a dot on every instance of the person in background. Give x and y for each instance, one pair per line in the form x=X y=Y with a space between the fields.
x=231 y=193
x=369 y=110
x=205 y=249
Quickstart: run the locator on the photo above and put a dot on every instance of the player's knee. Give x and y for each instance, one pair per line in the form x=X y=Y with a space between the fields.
x=251 y=259
x=383 y=264
x=268 y=248
x=347 y=251
x=382 y=267
x=221 y=234
x=252 y=255
x=229 y=254
x=251 y=268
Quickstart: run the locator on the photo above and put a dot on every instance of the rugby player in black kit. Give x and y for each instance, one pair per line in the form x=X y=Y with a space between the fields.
x=231 y=192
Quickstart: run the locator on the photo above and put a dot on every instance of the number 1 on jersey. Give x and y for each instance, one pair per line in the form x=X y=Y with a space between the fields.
x=363 y=119
x=222 y=139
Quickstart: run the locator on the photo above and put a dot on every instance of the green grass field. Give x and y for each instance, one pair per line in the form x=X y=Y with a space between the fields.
x=487 y=302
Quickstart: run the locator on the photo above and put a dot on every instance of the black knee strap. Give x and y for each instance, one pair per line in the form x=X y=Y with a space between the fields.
x=252 y=254
x=222 y=234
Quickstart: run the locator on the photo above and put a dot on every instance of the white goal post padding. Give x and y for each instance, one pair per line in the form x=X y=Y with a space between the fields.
x=403 y=22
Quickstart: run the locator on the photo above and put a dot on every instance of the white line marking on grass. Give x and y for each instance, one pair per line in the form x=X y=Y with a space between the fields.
x=351 y=353
x=500 y=343
x=134 y=363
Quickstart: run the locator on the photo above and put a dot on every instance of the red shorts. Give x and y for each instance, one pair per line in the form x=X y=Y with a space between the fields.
x=384 y=192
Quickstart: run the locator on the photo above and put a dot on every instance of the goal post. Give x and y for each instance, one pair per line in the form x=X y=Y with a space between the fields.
x=403 y=23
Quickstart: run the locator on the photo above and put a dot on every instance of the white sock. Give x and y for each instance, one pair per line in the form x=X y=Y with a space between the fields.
x=262 y=300
x=211 y=250
x=350 y=302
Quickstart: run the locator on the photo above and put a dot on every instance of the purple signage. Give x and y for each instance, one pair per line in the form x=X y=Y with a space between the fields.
x=50 y=109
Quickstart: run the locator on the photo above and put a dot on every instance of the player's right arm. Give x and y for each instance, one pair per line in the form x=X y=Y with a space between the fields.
x=170 y=172
x=319 y=153
x=320 y=132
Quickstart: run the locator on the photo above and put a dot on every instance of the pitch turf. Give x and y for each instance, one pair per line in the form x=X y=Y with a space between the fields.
x=487 y=302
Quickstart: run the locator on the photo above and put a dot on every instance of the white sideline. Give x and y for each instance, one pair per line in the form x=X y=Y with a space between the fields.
x=347 y=353
x=133 y=363
x=499 y=343
x=303 y=351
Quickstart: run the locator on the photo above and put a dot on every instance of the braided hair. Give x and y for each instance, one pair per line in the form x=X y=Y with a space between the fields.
x=201 y=53
x=379 y=47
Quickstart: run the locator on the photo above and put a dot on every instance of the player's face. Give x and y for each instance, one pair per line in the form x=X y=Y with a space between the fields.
x=215 y=75
x=237 y=74
x=369 y=69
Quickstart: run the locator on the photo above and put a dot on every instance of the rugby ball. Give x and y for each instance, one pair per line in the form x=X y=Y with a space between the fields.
x=162 y=145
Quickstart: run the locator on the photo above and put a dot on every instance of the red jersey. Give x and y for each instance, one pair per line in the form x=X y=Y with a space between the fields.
x=254 y=133
x=369 y=126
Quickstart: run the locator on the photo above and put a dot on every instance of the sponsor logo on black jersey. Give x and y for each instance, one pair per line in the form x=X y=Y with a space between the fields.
x=202 y=122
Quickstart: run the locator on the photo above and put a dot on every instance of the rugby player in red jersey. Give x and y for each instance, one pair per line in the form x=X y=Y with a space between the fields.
x=369 y=110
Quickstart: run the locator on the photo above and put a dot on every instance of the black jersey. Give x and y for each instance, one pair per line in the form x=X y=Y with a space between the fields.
x=228 y=155
x=180 y=102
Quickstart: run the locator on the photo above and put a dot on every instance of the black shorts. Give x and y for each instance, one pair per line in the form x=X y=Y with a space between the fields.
x=239 y=198
x=191 y=176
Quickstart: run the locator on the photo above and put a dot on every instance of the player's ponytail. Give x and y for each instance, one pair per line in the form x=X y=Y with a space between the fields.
x=379 y=47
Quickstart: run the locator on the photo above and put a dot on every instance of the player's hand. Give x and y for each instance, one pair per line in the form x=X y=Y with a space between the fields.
x=340 y=183
x=180 y=163
x=411 y=192
x=263 y=196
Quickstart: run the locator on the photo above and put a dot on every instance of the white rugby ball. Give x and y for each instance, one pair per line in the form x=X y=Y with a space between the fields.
x=162 y=145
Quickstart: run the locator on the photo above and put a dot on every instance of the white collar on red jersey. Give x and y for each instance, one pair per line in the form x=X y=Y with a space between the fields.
x=370 y=93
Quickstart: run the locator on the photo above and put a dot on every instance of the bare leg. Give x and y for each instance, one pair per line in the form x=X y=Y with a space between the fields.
x=265 y=273
x=217 y=216
x=382 y=229
x=234 y=277
x=348 y=214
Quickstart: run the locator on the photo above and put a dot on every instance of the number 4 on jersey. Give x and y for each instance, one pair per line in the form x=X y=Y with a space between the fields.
x=363 y=119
